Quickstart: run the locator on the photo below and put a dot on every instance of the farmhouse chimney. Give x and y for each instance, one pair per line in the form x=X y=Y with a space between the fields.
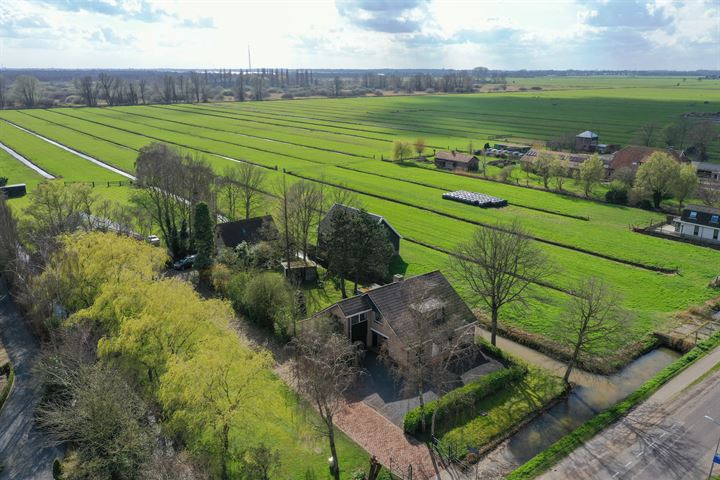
x=397 y=278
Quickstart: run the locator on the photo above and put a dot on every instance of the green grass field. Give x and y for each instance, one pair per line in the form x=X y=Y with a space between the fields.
x=340 y=142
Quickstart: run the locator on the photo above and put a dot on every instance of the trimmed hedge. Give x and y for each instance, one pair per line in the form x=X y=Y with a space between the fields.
x=8 y=370
x=469 y=394
x=461 y=398
x=563 y=447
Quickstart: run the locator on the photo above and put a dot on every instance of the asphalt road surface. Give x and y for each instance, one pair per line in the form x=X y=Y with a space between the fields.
x=667 y=437
x=23 y=450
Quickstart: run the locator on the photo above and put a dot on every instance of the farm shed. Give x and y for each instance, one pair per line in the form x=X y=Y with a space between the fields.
x=634 y=156
x=250 y=231
x=700 y=223
x=14 y=191
x=386 y=316
x=708 y=173
x=586 y=141
x=300 y=270
x=393 y=236
x=456 y=161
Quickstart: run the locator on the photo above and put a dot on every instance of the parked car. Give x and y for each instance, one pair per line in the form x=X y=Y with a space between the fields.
x=153 y=240
x=184 y=263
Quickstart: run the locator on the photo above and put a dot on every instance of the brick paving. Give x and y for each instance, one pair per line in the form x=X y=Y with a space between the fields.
x=380 y=437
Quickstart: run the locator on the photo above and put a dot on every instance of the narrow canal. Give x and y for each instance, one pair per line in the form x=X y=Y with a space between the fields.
x=592 y=394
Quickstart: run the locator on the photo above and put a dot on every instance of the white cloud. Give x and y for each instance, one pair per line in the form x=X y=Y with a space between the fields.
x=511 y=34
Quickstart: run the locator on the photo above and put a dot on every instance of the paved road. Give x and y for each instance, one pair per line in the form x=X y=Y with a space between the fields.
x=22 y=448
x=667 y=437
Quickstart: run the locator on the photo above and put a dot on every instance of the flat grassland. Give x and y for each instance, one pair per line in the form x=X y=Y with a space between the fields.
x=340 y=142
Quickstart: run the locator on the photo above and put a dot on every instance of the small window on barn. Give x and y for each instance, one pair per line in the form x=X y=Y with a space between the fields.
x=696 y=231
x=692 y=216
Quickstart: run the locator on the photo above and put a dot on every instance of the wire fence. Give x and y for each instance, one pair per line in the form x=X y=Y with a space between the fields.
x=103 y=183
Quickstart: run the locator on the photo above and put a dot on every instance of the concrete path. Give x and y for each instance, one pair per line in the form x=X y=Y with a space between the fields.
x=667 y=437
x=23 y=450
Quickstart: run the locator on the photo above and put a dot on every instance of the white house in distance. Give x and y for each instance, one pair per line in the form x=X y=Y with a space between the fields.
x=700 y=223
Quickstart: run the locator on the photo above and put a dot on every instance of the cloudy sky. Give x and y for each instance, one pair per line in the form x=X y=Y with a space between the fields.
x=507 y=34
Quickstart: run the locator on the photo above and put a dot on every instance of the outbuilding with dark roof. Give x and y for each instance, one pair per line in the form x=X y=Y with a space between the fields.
x=700 y=223
x=250 y=231
x=394 y=236
x=456 y=161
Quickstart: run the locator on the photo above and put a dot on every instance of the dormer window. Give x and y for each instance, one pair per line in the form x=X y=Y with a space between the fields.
x=715 y=219
x=692 y=216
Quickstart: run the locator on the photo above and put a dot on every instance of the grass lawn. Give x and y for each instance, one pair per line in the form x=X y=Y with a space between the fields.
x=280 y=420
x=503 y=410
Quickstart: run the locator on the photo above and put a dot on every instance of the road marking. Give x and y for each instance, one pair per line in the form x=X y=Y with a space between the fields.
x=616 y=474
x=639 y=454
x=663 y=434
x=627 y=464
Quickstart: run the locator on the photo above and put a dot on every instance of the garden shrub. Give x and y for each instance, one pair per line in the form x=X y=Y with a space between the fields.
x=266 y=298
x=617 y=196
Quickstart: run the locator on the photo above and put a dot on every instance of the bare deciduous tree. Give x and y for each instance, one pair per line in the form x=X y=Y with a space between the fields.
x=499 y=265
x=592 y=321
x=708 y=195
x=142 y=86
x=27 y=90
x=251 y=179
x=88 y=90
x=325 y=367
x=305 y=199
x=3 y=92
x=646 y=134
x=173 y=183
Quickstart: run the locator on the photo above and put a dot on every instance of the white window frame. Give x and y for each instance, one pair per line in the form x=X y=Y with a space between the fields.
x=358 y=318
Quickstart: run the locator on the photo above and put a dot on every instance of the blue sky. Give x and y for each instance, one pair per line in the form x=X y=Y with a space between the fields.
x=508 y=34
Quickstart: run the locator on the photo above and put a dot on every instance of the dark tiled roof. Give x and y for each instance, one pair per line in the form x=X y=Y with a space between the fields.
x=454 y=156
x=394 y=300
x=634 y=156
x=354 y=305
x=252 y=230
x=325 y=223
x=703 y=215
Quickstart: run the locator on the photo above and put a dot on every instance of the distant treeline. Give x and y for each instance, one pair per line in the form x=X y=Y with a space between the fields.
x=30 y=88
x=60 y=75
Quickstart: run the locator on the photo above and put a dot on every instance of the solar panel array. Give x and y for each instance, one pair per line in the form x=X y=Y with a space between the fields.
x=473 y=198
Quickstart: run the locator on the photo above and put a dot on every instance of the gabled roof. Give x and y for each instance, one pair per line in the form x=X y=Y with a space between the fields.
x=702 y=215
x=634 y=156
x=252 y=230
x=454 y=156
x=587 y=134
x=378 y=218
x=354 y=305
x=431 y=290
